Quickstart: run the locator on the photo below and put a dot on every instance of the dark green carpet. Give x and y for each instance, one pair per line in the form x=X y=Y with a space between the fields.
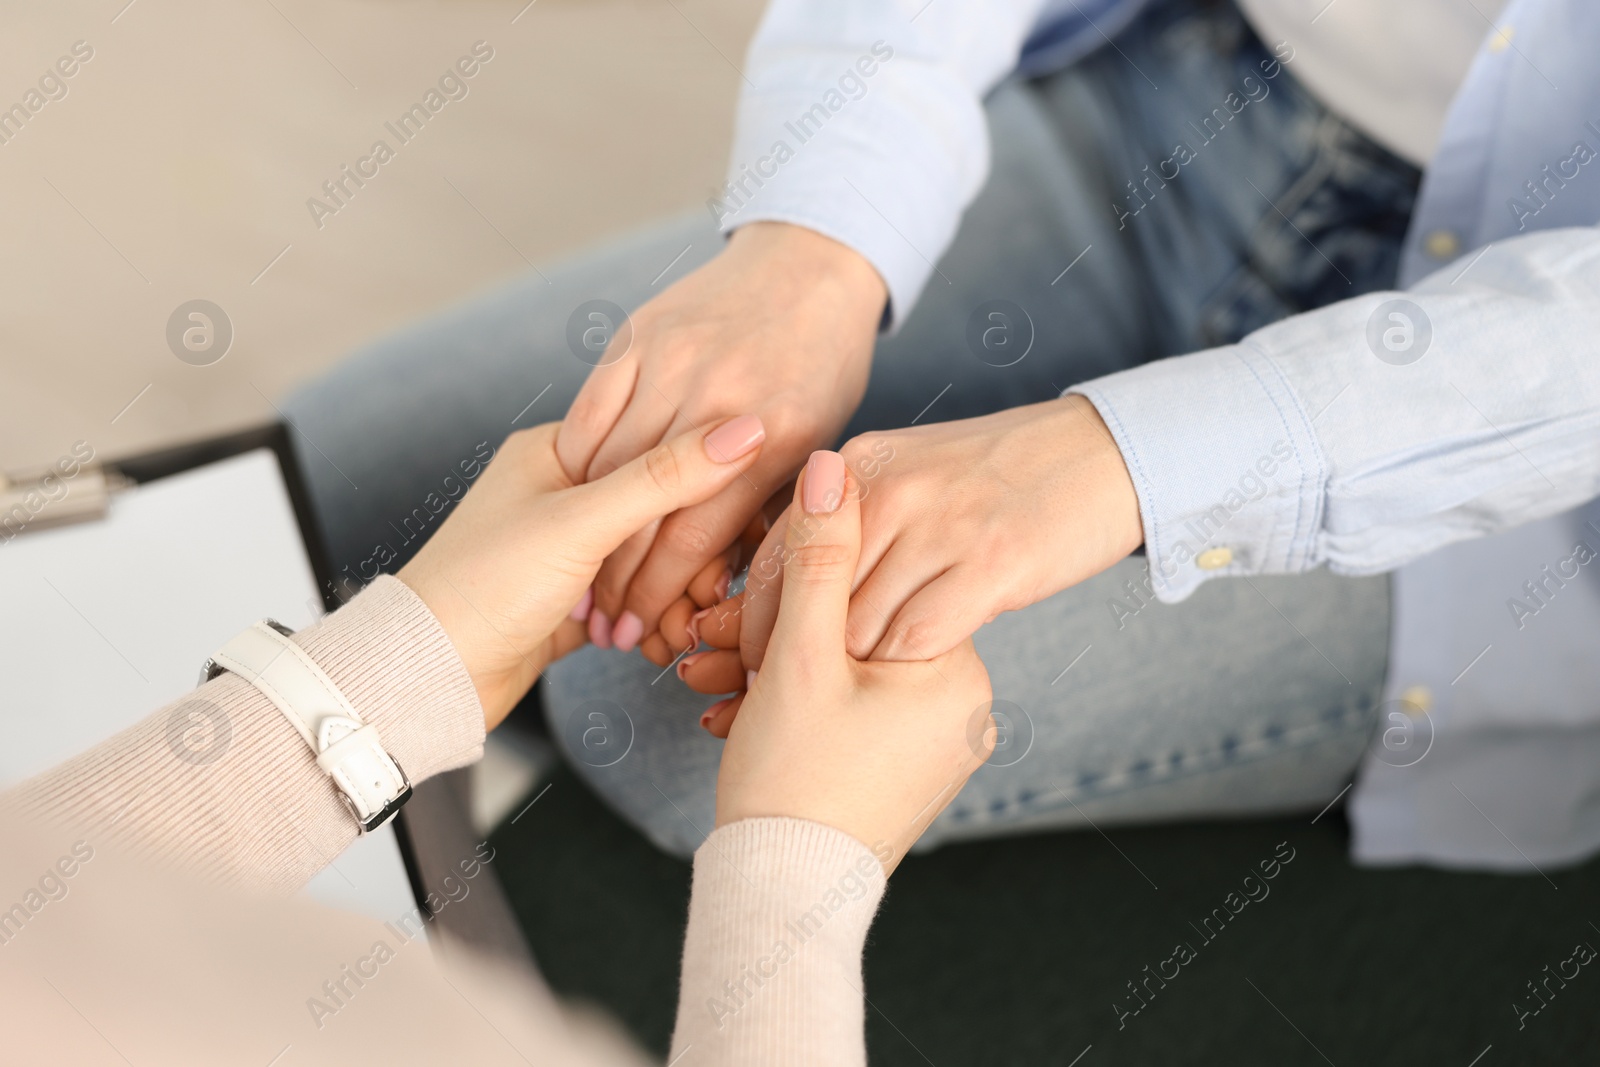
x=1021 y=951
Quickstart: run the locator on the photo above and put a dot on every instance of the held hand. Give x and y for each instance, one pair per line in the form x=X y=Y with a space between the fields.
x=507 y=570
x=873 y=749
x=781 y=323
x=676 y=632
x=962 y=520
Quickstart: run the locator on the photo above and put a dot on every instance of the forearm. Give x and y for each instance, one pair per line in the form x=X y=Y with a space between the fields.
x=221 y=783
x=1301 y=447
x=772 y=955
x=868 y=127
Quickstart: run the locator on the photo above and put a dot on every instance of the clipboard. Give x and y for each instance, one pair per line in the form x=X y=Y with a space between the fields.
x=211 y=536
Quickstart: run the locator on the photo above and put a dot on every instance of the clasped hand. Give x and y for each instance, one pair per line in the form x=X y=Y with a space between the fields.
x=962 y=521
x=508 y=573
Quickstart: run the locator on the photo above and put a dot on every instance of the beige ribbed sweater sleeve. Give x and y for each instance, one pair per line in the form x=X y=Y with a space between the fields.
x=221 y=783
x=779 y=911
x=772 y=957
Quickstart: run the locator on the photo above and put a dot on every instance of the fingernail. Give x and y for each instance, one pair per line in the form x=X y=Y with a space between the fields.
x=599 y=629
x=628 y=630
x=735 y=438
x=685 y=663
x=749 y=679
x=711 y=712
x=581 y=611
x=723 y=583
x=694 y=624
x=824 y=490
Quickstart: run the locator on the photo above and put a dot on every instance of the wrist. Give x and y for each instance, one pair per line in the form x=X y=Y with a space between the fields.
x=1102 y=467
x=803 y=259
x=387 y=653
x=500 y=682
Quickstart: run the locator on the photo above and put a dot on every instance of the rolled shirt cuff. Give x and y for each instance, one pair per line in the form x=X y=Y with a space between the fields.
x=1230 y=476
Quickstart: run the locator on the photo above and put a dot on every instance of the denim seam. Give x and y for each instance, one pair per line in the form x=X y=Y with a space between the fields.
x=1309 y=738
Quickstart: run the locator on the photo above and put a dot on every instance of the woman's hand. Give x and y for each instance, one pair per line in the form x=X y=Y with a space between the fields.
x=508 y=573
x=964 y=520
x=873 y=749
x=781 y=323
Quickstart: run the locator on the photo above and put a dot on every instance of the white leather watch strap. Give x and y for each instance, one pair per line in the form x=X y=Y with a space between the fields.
x=348 y=749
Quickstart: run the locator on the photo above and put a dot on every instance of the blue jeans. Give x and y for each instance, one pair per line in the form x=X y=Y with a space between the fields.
x=1254 y=696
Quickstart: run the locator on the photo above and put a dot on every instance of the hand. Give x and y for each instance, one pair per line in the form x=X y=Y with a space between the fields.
x=781 y=324
x=876 y=750
x=962 y=520
x=508 y=573
x=676 y=632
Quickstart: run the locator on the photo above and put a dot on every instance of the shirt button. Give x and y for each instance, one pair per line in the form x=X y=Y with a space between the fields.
x=1502 y=38
x=1418 y=700
x=1213 y=558
x=1442 y=244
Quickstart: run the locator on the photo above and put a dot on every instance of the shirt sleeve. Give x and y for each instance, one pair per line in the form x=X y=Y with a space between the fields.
x=1370 y=432
x=863 y=120
x=778 y=917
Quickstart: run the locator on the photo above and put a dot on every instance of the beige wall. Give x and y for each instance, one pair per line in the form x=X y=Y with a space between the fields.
x=179 y=163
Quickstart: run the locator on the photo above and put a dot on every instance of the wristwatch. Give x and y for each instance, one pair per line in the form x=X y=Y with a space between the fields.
x=372 y=784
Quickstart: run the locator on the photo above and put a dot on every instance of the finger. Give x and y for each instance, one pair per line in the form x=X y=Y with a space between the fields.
x=611 y=584
x=940 y=616
x=682 y=540
x=679 y=473
x=644 y=423
x=755 y=531
x=712 y=671
x=674 y=631
x=595 y=410
x=717 y=720
x=719 y=625
x=899 y=576
x=687 y=543
x=710 y=586
x=822 y=544
x=654 y=648
x=763 y=588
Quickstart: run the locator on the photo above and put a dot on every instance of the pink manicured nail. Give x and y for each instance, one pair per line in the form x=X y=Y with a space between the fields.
x=694 y=624
x=628 y=630
x=711 y=712
x=599 y=629
x=685 y=663
x=749 y=680
x=824 y=490
x=735 y=438
x=723 y=583
x=581 y=611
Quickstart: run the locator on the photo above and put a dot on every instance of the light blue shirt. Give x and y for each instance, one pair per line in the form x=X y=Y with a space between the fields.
x=1300 y=447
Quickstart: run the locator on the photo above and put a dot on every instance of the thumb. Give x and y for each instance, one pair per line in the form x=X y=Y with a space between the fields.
x=821 y=546
x=675 y=474
x=763 y=590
